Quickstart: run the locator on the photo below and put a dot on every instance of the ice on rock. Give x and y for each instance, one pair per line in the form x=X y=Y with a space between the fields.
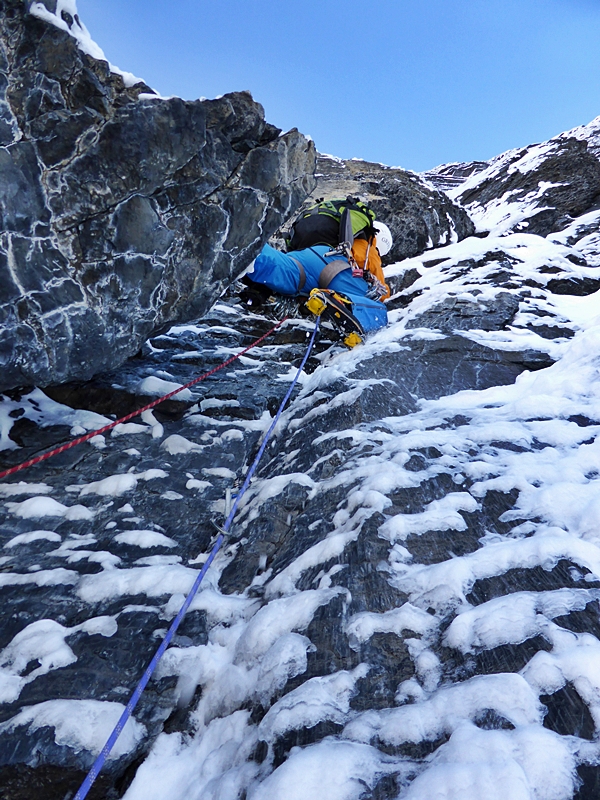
x=12 y=489
x=529 y=763
x=575 y=659
x=220 y=609
x=176 y=445
x=278 y=617
x=362 y=626
x=44 y=642
x=216 y=402
x=43 y=577
x=501 y=484
x=245 y=660
x=456 y=577
x=214 y=766
x=38 y=507
x=331 y=547
x=513 y=619
x=219 y=472
x=508 y=694
x=332 y=769
x=285 y=659
x=80 y=724
x=224 y=683
x=145 y=539
x=152 y=474
x=316 y=700
x=113 y=486
x=125 y=428
x=151 y=581
x=201 y=486
x=157 y=387
x=440 y=515
x=151 y=561
x=232 y=435
x=32 y=536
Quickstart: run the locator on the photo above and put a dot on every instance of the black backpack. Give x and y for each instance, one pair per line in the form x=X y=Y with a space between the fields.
x=332 y=222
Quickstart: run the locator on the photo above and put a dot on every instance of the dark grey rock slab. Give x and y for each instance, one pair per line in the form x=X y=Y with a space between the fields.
x=419 y=216
x=121 y=212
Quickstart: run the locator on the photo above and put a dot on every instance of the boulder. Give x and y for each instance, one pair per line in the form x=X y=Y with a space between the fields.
x=120 y=211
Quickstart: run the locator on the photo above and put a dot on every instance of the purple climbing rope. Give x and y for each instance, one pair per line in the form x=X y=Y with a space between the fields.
x=137 y=693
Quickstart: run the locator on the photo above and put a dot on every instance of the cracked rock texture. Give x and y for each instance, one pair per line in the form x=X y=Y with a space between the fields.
x=120 y=212
x=410 y=600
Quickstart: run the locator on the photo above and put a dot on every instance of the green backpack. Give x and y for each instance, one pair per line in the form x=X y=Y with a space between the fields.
x=332 y=223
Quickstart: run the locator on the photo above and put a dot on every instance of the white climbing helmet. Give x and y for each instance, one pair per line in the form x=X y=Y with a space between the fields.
x=384 y=238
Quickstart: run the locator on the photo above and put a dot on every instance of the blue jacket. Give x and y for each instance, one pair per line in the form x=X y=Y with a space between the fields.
x=280 y=272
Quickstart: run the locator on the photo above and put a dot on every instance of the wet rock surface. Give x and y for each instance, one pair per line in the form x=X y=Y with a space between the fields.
x=120 y=212
x=373 y=482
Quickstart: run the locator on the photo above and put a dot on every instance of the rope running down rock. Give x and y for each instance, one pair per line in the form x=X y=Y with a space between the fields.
x=37 y=459
x=100 y=760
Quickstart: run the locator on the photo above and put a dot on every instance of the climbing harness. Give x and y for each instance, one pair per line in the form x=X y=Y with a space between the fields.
x=153 y=404
x=223 y=533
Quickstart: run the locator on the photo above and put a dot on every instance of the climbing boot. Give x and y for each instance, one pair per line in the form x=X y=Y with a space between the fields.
x=336 y=308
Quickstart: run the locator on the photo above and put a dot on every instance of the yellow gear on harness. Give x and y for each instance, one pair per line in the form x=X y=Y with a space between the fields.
x=338 y=312
x=352 y=340
x=315 y=303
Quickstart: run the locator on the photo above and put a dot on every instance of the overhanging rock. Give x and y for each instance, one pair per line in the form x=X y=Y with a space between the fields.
x=120 y=211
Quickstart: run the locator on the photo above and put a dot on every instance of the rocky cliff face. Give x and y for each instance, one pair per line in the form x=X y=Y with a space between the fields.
x=409 y=607
x=120 y=211
x=419 y=216
x=539 y=189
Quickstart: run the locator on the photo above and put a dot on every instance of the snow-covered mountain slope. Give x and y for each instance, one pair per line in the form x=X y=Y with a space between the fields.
x=410 y=608
x=540 y=188
x=63 y=14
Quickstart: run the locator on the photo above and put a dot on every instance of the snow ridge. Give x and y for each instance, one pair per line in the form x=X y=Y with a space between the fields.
x=66 y=17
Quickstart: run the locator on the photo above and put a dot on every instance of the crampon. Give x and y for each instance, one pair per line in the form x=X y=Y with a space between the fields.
x=336 y=308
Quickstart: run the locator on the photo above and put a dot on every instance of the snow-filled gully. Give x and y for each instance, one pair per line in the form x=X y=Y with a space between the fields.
x=411 y=609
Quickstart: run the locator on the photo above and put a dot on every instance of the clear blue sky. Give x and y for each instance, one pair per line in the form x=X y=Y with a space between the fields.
x=413 y=83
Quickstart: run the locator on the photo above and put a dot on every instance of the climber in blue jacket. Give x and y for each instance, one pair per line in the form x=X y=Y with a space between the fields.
x=298 y=273
x=341 y=283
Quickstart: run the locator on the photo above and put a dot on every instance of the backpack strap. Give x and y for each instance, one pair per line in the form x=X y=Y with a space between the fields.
x=302 y=279
x=329 y=272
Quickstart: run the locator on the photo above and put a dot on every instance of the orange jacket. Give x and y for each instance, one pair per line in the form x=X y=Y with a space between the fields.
x=359 y=251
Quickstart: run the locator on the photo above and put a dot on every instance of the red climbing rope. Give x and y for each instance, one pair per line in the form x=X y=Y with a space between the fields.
x=133 y=414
